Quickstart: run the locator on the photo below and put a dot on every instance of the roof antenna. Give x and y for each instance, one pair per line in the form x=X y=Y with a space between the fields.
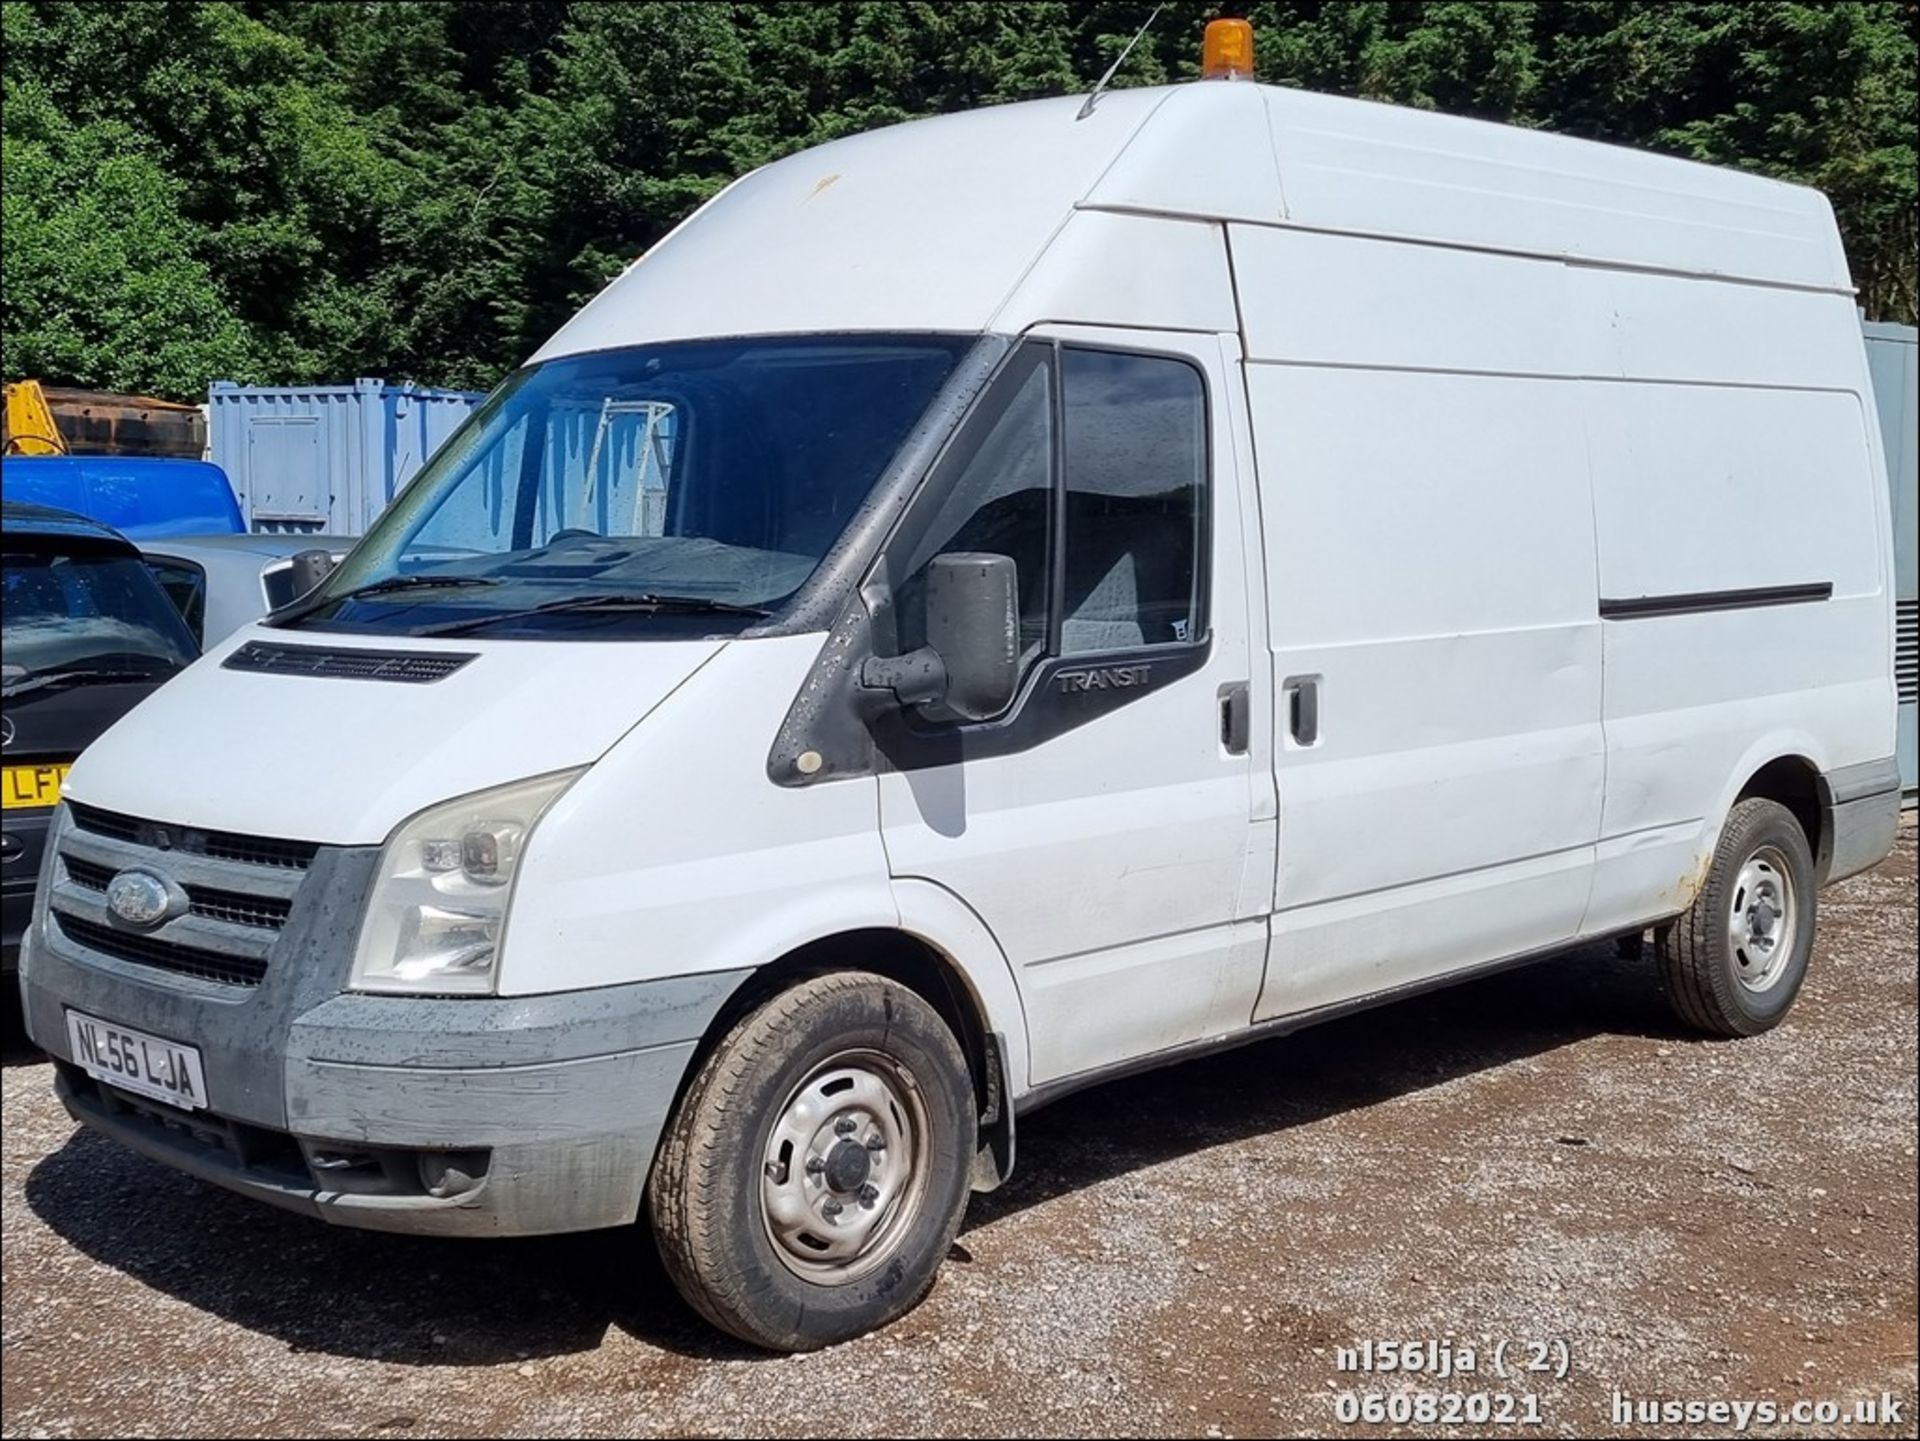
x=1118 y=61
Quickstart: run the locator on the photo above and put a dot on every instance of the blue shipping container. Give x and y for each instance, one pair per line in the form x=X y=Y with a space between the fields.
x=326 y=458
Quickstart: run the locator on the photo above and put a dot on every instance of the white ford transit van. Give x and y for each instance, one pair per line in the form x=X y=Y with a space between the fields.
x=985 y=605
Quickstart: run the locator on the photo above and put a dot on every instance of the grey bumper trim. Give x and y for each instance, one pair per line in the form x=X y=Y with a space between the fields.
x=1861 y=806
x=1855 y=783
x=478 y=1032
x=566 y=1147
x=564 y=1095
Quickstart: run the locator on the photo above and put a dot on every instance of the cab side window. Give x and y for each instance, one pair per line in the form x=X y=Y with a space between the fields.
x=1090 y=469
x=1135 y=458
x=1001 y=502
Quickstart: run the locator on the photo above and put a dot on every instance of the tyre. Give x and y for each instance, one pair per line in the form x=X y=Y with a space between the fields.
x=1732 y=965
x=814 y=1175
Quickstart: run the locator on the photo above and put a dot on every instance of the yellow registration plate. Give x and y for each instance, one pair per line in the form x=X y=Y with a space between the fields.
x=29 y=787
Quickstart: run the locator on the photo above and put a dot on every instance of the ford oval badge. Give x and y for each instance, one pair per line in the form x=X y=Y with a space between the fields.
x=140 y=898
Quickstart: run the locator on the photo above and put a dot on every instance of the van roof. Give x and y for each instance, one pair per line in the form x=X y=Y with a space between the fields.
x=933 y=224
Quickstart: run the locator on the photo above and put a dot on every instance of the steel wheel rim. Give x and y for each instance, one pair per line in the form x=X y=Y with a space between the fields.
x=845 y=1168
x=1763 y=921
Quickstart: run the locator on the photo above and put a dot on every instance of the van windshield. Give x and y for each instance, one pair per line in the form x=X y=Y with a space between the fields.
x=660 y=489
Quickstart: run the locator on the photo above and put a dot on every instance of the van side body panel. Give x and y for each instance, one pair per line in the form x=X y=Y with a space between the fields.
x=1431 y=567
x=658 y=868
x=1498 y=378
x=1733 y=451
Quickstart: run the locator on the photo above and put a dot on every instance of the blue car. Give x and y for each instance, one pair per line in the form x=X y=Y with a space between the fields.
x=142 y=497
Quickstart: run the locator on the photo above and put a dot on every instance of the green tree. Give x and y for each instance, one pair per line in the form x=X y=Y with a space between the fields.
x=427 y=188
x=100 y=281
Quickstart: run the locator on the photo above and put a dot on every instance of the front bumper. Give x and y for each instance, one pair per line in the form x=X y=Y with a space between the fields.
x=472 y=1116
x=392 y=1099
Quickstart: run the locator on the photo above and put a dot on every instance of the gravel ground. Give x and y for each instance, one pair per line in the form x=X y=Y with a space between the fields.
x=1539 y=1156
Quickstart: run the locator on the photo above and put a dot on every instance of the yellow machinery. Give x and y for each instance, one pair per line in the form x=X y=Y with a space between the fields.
x=30 y=425
x=63 y=420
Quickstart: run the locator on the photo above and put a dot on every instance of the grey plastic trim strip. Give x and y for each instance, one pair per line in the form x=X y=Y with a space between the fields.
x=1701 y=602
x=481 y=1032
x=1869 y=778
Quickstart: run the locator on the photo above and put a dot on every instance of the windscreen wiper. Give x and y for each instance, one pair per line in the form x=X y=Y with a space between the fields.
x=299 y=608
x=645 y=603
x=82 y=675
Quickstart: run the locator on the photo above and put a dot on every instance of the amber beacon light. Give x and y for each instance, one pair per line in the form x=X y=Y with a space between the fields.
x=1227 y=53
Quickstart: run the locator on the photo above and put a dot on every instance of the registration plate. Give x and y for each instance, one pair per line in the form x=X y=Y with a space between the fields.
x=135 y=1061
x=32 y=787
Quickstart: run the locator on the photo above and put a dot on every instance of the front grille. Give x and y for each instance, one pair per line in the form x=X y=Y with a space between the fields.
x=104 y=823
x=215 y=904
x=414 y=667
x=1906 y=651
x=86 y=873
x=236 y=909
x=182 y=960
x=224 y=845
x=260 y=851
x=240 y=890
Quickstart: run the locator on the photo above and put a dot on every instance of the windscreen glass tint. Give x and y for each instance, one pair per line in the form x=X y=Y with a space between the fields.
x=632 y=492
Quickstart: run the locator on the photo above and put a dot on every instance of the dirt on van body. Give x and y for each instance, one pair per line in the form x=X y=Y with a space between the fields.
x=1540 y=1158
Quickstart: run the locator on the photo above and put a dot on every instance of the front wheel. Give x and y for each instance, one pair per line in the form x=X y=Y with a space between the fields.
x=815 y=1172
x=1732 y=965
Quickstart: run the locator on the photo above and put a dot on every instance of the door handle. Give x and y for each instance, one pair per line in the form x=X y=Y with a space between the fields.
x=1303 y=709
x=1236 y=718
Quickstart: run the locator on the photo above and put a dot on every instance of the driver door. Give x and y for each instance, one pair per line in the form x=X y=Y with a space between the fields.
x=1104 y=827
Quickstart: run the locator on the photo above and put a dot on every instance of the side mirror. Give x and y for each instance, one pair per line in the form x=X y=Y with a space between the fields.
x=970 y=665
x=973 y=625
x=306 y=570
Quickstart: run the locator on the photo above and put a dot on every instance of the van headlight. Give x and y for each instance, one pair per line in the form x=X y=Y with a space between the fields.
x=440 y=899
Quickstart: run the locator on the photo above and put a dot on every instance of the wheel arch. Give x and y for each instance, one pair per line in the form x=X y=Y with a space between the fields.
x=1795 y=782
x=948 y=960
x=1778 y=764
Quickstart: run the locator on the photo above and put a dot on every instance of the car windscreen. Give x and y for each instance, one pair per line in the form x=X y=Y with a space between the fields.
x=74 y=615
x=641 y=491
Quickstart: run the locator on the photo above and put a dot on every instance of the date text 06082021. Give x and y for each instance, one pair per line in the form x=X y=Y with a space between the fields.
x=1438 y=1408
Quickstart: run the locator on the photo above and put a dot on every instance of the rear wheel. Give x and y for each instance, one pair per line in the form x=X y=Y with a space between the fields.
x=816 y=1170
x=1733 y=964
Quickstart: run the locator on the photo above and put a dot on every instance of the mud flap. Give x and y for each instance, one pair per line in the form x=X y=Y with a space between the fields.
x=993 y=1161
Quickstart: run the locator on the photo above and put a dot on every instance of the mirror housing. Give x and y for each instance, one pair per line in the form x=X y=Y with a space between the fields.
x=306 y=569
x=970 y=666
x=973 y=625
